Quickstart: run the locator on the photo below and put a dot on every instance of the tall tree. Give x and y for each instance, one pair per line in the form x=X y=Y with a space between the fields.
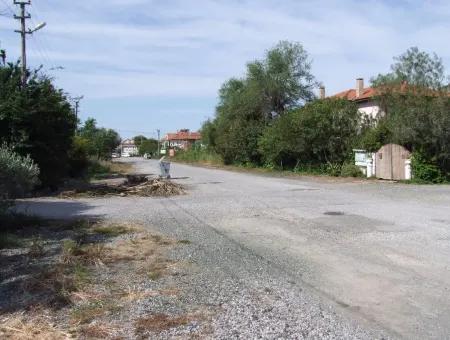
x=272 y=86
x=416 y=68
x=100 y=142
x=38 y=121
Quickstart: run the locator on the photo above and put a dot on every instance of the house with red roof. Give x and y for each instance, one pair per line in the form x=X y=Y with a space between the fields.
x=363 y=97
x=181 y=140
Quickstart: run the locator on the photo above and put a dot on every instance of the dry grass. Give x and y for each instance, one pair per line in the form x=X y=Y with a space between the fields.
x=160 y=322
x=18 y=326
x=120 y=168
x=87 y=312
x=72 y=287
x=90 y=254
x=97 y=331
x=113 y=230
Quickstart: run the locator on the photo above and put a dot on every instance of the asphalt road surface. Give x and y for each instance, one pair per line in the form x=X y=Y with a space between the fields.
x=372 y=257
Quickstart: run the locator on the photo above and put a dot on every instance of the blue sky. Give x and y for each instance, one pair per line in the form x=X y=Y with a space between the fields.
x=147 y=64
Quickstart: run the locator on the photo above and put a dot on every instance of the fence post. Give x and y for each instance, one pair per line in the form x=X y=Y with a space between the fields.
x=408 y=172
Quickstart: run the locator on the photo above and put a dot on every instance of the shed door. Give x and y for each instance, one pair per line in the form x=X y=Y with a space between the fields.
x=390 y=162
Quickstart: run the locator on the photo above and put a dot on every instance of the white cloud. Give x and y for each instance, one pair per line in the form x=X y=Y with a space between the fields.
x=189 y=47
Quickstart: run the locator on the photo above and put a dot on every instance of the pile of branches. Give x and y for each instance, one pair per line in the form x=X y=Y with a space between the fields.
x=135 y=185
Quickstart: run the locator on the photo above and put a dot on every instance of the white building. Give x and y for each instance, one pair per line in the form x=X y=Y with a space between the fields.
x=363 y=97
x=128 y=148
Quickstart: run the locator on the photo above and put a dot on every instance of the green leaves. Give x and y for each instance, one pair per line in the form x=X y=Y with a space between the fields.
x=320 y=132
x=272 y=86
x=100 y=142
x=36 y=121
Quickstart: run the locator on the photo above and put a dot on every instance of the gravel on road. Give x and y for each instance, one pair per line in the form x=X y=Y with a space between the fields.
x=290 y=259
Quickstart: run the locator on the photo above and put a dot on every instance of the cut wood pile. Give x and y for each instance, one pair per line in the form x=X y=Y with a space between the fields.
x=135 y=185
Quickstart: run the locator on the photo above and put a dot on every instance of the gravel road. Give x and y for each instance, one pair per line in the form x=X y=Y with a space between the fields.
x=282 y=258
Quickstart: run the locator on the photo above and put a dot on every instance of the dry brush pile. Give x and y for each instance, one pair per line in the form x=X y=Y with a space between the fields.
x=135 y=185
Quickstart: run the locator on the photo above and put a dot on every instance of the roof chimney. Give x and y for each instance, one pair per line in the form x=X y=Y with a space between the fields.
x=359 y=87
x=322 y=92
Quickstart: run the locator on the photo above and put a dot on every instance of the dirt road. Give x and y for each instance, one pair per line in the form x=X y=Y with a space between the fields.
x=374 y=256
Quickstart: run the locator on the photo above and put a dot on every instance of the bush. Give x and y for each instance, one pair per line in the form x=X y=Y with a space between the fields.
x=78 y=157
x=38 y=121
x=198 y=154
x=18 y=175
x=321 y=132
x=351 y=170
x=425 y=172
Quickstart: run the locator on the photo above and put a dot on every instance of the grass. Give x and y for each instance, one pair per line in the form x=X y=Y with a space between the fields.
x=113 y=230
x=10 y=241
x=20 y=326
x=99 y=169
x=81 y=279
x=199 y=155
x=86 y=312
x=160 y=322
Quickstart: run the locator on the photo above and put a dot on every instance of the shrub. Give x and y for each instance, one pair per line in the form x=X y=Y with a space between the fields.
x=78 y=157
x=351 y=170
x=18 y=175
x=425 y=172
x=321 y=132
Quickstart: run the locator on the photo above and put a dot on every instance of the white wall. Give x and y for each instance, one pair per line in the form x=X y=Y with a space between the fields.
x=370 y=109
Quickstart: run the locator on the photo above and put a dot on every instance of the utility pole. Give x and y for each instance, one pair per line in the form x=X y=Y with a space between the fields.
x=159 y=142
x=77 y=105
x=23 y=33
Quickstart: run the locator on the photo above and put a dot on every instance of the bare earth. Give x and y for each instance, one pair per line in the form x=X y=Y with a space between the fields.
x=372 y=257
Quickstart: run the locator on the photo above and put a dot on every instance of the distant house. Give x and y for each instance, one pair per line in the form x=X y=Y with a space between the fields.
x=128 y=148
x=363 y=97
x=180 y=140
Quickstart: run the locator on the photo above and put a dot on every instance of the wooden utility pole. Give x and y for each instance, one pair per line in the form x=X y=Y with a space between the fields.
x=23 y=32
x=159 y=142
x=77 y=105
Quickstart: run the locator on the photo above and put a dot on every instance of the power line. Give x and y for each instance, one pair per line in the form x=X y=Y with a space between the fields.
x=43 y=38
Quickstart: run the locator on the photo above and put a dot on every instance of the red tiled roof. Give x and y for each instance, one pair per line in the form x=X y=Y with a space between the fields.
x=370 y=92
x=182 y=135
x=367 y=93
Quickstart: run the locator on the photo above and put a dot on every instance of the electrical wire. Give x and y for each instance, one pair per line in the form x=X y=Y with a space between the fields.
x=42 y=41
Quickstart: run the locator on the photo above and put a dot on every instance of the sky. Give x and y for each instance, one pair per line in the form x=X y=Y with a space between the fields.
x=144 y=65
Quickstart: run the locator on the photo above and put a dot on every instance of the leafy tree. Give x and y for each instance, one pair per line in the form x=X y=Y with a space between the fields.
x=321 y=132
x=271 y=87
x=416 y=68
x=100 y=142
x=38 y=121
x=148 y=146
x=139 y=139
x=416 y=102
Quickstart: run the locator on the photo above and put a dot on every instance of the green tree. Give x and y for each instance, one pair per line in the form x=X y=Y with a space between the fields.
x=272 y=86
x=416 y=102
x=416 y=68
x=321 y=132
x=148 y=146
x=38 y=121
x=100 y=142
x=139 y=139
